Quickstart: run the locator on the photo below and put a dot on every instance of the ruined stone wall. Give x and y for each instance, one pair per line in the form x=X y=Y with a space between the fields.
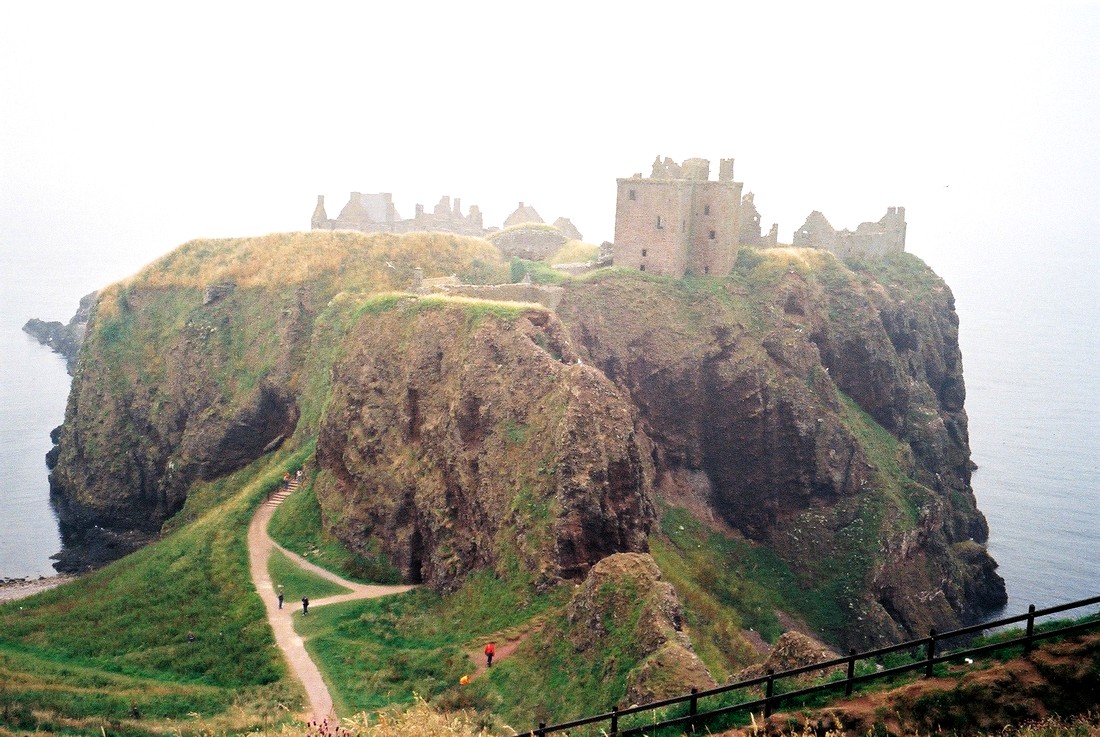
x=546 y=295
x=887 y=236
x=883 y=238
x=376 y=213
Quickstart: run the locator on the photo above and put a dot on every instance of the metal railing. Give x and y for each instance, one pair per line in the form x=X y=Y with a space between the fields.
x=929 y=648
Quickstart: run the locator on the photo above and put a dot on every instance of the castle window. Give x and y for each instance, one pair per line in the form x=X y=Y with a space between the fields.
x=643 y=252
x=712 y=235
x=632 y=195
x=706 y=209
x=660 y=222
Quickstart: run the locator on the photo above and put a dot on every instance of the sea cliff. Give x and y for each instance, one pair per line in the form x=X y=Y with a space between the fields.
x=804 y=405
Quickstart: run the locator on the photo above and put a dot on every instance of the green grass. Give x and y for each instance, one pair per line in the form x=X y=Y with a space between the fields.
x=296 y=582
x=541 y=272
x=548 y=680
x=381 y=651
x=297 y=526
x=726 y=585
x=127 y=624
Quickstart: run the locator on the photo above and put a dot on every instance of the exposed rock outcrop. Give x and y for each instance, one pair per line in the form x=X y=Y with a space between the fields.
x=625 y=600
x=792 y=650
x=485 y=440
x=64 y=338
x=194 y=368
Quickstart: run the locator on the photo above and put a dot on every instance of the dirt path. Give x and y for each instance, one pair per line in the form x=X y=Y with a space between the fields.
x=260 y=546
x=502 y=652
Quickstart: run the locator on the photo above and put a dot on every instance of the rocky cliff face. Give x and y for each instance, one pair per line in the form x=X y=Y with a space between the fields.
x=767 y=388
x=198 y=365
x=152 y=410
x=486 y=441
x=624 y=601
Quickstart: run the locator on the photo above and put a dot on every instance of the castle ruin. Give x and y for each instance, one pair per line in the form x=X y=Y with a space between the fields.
x=678 y=221
x=375 y=213
x=883 y=238
x=675 y=222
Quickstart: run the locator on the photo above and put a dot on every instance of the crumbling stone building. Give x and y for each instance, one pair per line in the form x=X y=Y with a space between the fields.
x=678 y=221
x=750 y=226
x=883 y=238
x=375 y=213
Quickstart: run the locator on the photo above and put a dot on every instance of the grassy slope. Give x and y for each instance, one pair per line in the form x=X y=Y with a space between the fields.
x=115 y=640
x=297 y=526
x=296 y=582
x=382 y=651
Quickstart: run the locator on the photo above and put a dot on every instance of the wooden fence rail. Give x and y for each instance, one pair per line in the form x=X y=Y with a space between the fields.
x=930 y=648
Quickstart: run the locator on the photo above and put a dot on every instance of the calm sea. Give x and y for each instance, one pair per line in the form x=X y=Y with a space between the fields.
x=33 y=390
x=1030 y=348
x=1030 y=336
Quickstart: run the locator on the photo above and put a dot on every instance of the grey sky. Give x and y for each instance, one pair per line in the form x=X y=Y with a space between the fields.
x=129 y=128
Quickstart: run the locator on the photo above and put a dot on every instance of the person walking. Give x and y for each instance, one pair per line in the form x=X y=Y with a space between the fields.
x=490 y=651
x=305 y=605
x=280 y=599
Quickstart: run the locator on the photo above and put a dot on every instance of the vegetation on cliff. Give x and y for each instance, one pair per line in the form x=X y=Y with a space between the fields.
x=641 y=489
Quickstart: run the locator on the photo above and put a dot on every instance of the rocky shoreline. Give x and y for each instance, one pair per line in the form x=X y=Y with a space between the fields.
x=62 y=338
x=20 y=588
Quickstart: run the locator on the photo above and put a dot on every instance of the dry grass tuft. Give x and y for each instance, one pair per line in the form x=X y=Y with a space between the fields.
x=294 y=258
x=574 y=252
x=419 y=720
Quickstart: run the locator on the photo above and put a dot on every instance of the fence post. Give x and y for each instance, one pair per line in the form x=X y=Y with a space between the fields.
x=851 y=672
x=1030 y=627
x=768 y=694
x=614 y=721
x=931 y=652
x=693 y=708
x=541 y=731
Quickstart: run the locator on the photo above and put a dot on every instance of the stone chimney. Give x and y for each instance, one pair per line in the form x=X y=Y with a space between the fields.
x=725 y=170
x=320 y=217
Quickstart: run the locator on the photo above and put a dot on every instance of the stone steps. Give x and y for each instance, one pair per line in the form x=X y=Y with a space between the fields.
x=277 y=498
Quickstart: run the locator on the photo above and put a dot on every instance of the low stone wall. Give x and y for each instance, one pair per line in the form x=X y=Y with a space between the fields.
x=546 y=295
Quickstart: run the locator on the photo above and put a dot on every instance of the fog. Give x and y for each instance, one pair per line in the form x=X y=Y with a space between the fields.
x=129 y=128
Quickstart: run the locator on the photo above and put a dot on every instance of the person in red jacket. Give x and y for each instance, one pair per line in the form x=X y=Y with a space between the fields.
x=490 y=651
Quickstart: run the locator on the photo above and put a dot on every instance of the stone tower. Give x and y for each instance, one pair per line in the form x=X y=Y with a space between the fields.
x=320 y=217
x=677 y=221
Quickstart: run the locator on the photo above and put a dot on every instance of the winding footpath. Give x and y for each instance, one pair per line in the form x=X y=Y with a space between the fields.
x=260 y=546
